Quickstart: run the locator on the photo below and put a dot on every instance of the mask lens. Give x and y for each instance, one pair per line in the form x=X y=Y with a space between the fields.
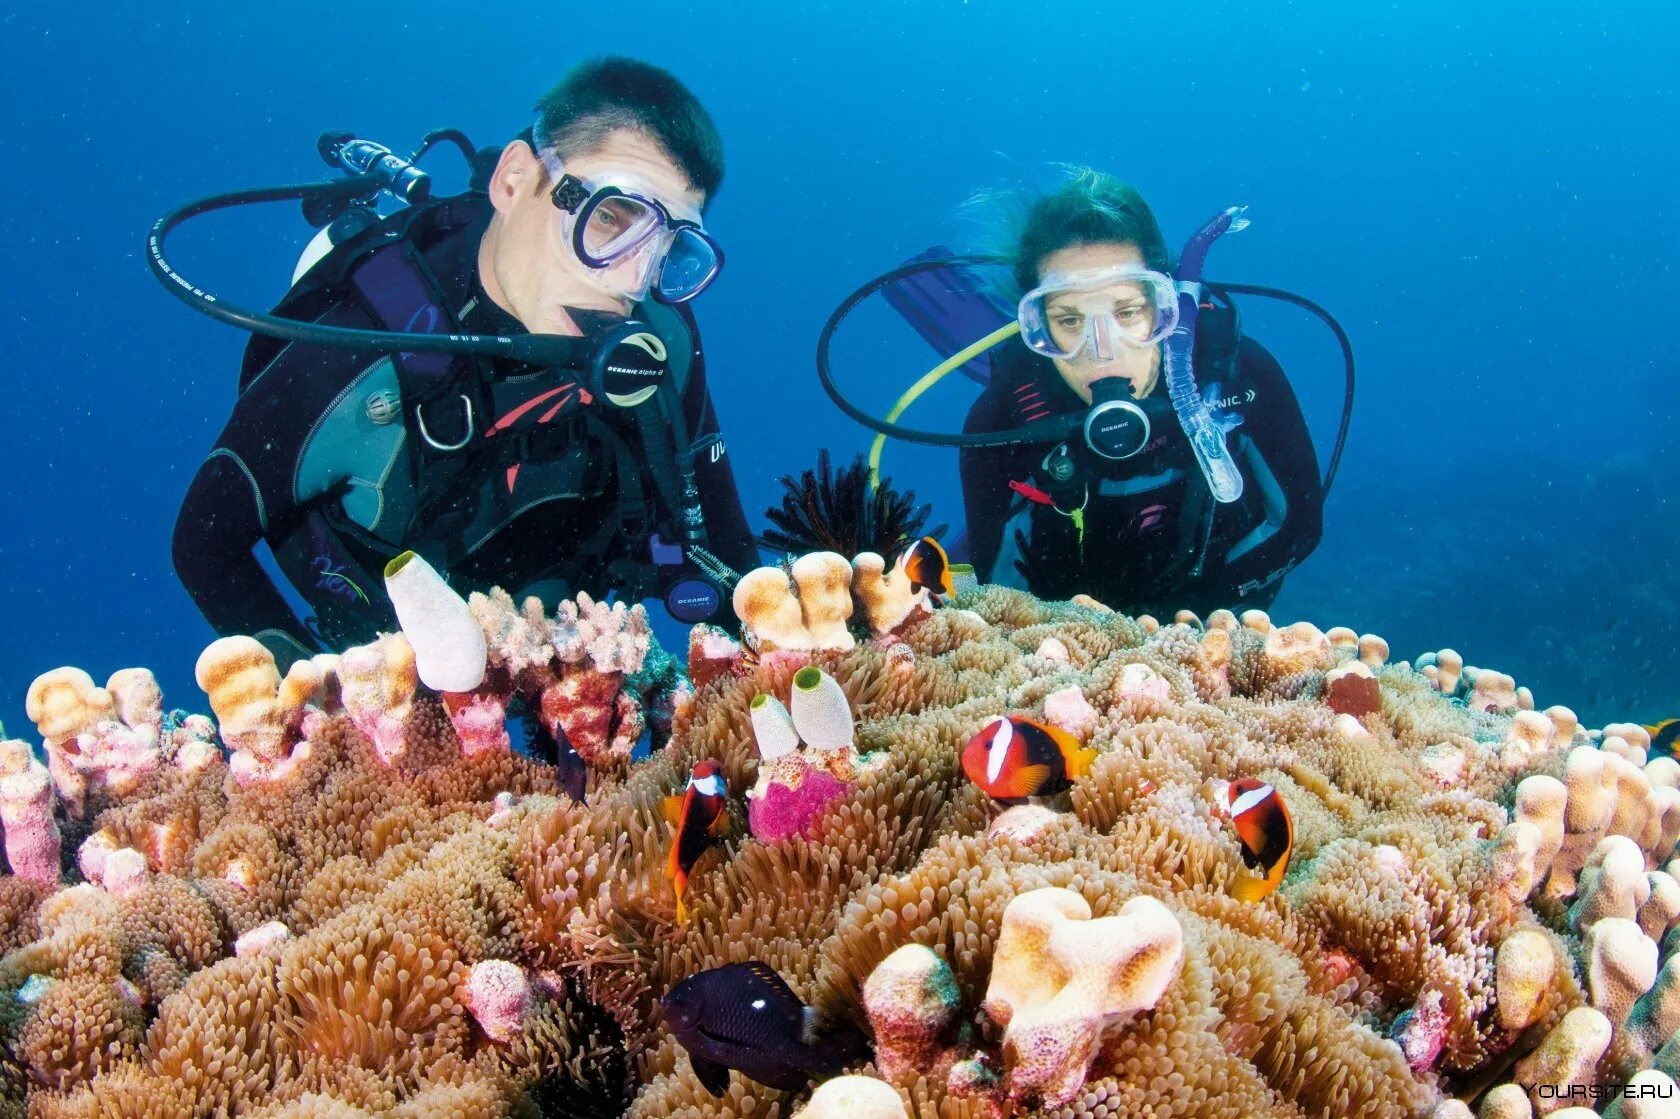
x=690 y=263
x=611 y=225
x=1136 y=315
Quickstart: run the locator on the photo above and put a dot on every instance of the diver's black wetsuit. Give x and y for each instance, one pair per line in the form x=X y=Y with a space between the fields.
x=323 y=458
x=1147 y=517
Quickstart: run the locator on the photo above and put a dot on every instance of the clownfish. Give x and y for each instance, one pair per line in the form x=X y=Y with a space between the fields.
x=1014 y=757
x=1266 y=832
x=1665 y=736
x=699 y=814
x=925 y=564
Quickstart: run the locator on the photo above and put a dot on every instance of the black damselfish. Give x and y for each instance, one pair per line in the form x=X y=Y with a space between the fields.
x=574 y=773
x=745 y=1017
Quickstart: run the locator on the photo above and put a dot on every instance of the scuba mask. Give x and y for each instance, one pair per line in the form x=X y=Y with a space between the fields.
x=1097 y=311
x=631 y=241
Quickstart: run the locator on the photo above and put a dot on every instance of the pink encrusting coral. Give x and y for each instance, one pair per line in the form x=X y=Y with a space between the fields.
x=26 y=811
x=792 y=800
x=914 y=1003
x=351 y=895
x=499 y=996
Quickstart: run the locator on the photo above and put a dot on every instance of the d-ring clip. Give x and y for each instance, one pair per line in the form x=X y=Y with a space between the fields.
x=420 y=418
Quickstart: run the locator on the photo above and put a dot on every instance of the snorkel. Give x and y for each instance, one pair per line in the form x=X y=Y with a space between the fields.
x=1204 y=431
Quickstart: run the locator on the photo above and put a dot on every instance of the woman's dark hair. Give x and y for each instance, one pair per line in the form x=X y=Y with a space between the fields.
x=607 y=94
x=1091 y=208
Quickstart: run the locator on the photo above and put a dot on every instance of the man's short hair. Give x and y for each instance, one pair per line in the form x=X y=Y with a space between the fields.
x=607 y=94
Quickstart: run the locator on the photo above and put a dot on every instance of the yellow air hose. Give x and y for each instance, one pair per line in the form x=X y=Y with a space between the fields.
x=927 y=381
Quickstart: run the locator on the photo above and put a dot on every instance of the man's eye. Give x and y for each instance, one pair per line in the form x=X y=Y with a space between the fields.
x=1129 y=313
x=1069 y=322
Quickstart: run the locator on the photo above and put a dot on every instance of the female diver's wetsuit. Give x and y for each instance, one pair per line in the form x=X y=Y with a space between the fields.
x=1154 y=540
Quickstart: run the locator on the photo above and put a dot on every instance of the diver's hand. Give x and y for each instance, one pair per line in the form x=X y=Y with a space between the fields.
x=1031 y=565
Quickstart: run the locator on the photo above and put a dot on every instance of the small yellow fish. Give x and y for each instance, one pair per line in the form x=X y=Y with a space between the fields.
x=1663 y=738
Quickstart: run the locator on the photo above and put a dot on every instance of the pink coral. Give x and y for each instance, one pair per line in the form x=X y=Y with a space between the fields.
x=712 y=655
x=792 y=801
x=1351 y=689
x=913 y=1002
x=1421 y=1032
x=124 y=871
x=499 y=996
x=379 y=680
x=63 y=703
x=612 y=638
x=26 y=809
x=592 y=679
x=191 y=743
x=1052 y=649
x=1142 y=690
x=600 y=719
x=480 y=717
x=261 y=939
x=248 y=769
x=1060 y=979
x=98 y=740
x=114 y=756
x=1070 y=710
x=794 y=786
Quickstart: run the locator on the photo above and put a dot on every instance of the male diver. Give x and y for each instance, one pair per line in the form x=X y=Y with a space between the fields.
x=1130 y=442
x=604 y=473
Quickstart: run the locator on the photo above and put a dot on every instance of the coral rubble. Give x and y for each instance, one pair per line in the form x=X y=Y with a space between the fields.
x=364 y=900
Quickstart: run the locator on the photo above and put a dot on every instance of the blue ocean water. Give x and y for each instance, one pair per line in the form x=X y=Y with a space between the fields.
x=1485 y=198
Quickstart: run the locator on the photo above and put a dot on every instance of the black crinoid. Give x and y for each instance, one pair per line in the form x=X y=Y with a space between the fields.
x=827 y=512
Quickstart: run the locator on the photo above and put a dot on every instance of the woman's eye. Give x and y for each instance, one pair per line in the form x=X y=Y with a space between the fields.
x=1069 y=322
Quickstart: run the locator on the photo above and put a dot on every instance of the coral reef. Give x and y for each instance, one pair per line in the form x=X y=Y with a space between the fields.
x=353 y=896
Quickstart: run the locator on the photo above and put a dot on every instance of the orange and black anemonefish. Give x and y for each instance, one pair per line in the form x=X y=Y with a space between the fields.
x=1266 y=832
x=925 y=564
x=1665 y=739
x=700 y=814
x=1014 y=757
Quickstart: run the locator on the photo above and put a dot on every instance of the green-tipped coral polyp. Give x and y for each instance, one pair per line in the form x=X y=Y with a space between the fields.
x=807 y=679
